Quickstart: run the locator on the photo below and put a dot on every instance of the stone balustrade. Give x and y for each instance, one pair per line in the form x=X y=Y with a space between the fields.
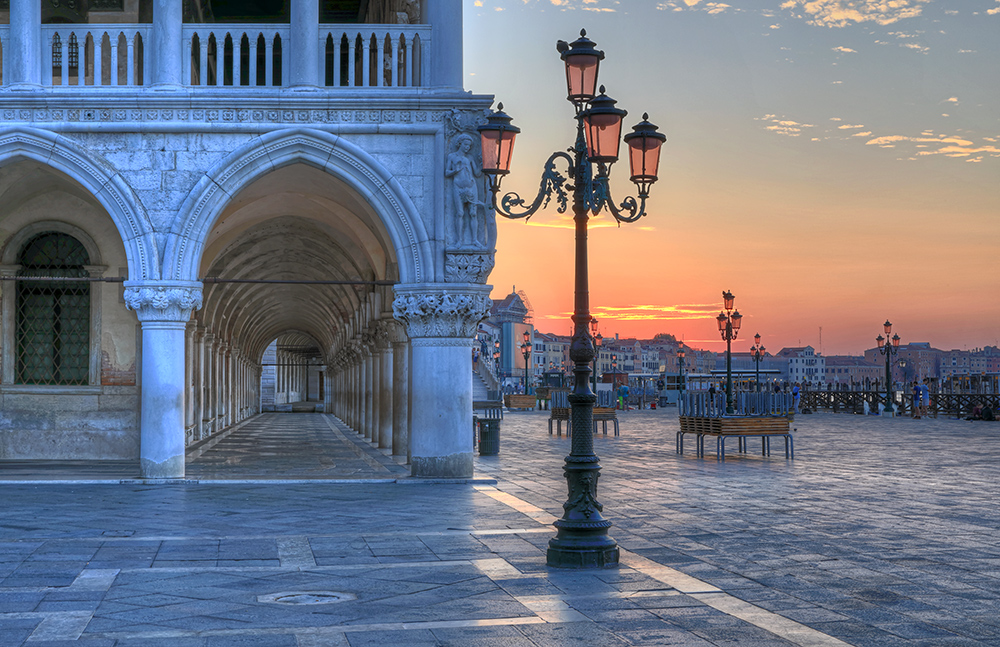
x=230 y=55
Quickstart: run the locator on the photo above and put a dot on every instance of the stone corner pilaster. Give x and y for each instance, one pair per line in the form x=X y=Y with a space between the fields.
x=171 y=301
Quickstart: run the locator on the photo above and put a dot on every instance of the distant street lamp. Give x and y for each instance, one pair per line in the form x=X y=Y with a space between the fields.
x=680 y=369
x=526 y=351
x=597 y=348
x=888 y=347
x=757 y=354
x=582 y=540
x=729 y=325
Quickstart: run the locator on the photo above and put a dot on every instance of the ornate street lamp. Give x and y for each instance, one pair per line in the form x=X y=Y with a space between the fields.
x=729 y=326
x=888 y=348
x=757 y=354
x=582 y=539
x=526 y=351
x=680 y=369
x=496 y=359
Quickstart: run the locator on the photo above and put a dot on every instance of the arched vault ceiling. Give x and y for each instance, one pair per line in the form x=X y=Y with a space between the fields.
x=295 y=224
x=311 y=194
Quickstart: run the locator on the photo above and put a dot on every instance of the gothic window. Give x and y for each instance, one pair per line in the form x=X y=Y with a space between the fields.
x=53 y=316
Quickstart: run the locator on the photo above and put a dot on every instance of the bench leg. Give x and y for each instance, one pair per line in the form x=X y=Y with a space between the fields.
x=789 y=448
x=720 y=447
x=616 y=426
x=550 y=426
x=679 y=442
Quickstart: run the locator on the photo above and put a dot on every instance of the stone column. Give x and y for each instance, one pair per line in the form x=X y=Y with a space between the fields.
x=400 y=398
x=167 y=43
x=445 y=18
x=383 y=342
x=163 y=310
x=23 y=49
x=441 y=321
x=197 y=388
x=369 y=386
x=208 y=408
x=189 y=347
x=304 y=46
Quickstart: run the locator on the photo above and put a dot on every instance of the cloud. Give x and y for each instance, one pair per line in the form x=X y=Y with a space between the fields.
x=947 y=145
x=928 y=143
x=948 y=100
x=785 y=127
x=657 y=312
x=995 y=10
x=694 y=5
x=841 y=13
x=845 y=50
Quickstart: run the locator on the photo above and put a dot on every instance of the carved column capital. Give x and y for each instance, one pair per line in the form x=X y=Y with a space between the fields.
x=441 y=310
x=163 y=300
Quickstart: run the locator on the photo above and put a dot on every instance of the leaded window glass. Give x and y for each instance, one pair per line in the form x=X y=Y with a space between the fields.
x=53 y=317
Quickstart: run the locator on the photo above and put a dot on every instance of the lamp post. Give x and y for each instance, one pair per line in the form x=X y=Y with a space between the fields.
x=680 y=369
x=757 y=354
x=496 y=360
x=729 y=326
x=597 y=348
x=582 y=539
x=888 y=348
x=526 y=351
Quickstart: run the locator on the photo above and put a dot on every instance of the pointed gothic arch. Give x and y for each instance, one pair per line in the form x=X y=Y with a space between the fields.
x=335 y=155
x=101 y=180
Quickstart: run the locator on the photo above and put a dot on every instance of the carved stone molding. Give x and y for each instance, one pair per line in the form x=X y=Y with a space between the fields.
x=163 y=301
x=222 y=114
x=467 y=267
x=441 y=310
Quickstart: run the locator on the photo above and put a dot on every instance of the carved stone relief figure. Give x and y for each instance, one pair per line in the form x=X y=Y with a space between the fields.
x=466 y=208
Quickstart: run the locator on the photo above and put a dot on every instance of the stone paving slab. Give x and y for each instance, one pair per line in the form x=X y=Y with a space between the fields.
x=879 y=532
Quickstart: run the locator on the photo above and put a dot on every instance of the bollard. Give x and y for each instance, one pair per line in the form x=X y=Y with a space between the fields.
x=489 y=437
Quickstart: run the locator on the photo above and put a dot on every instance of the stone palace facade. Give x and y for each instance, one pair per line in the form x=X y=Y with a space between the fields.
x=182 y=187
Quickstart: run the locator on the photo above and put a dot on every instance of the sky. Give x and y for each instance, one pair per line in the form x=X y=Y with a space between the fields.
x=833 y=163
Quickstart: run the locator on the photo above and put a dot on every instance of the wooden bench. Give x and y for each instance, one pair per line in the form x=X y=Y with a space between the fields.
x=559 y=414
x=520 y=401
x=764 y=427
x=604 y=415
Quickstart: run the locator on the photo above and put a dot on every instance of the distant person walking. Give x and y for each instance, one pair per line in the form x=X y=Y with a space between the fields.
x=916 y=400
x=795 y=397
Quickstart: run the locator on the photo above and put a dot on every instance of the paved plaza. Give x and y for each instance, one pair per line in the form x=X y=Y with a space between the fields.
x=291 y=531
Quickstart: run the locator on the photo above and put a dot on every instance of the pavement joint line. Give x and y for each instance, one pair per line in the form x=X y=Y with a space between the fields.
x=356 y=446
x=196 y=450
x=295 y=552
x=61 y=625
x=261 y=481
x=94 y=579
x=320 y=631
x=704 y=592
x=522 y=506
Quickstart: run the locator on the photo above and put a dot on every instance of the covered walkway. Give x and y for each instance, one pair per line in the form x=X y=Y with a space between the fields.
x=268 y=447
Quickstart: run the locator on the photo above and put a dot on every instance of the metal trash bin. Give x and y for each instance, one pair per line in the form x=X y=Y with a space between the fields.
x=489 y=437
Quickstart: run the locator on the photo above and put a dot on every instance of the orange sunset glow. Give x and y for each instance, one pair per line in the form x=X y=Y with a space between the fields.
x=832 y=163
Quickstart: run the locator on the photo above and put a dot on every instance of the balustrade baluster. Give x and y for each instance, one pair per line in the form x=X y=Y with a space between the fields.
x=237 y=58
x=99 y=59
x=130 y=61
x=203 y=42
x=366 y=66
x=269 y=61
